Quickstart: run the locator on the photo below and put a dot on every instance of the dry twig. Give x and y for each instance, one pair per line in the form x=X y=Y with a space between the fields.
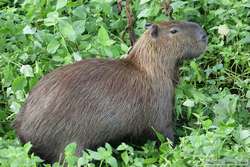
x=130 y=26
x=168 y=9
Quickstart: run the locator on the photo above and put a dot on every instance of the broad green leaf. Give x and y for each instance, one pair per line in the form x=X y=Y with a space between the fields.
x=104 y=153
x=67 y=30
x=124 y=47
x=144 y=13
x=103 y=36
x=143 y=1
x=27 y=147
x=79 y=26
x=165 y=147
x=19 y=83
x=70 y=156
x=196 y=69
x=60 y=4
x=244 y=134
x=159 y=136
x=53 y=46
x=207 y=123
x=68 y=59
x=29 y=30
x=125 y=157
x=80 y=12
x=189 y=103
x=82 y=161
x=178 y=4
x=52 y=19
x=122 y=147
x=245 y=40
x=8 y=75
x=95 y=155
x=248 y=94
x=248 y=103
x=149 y=161
x=108 y=147
x=112 y=162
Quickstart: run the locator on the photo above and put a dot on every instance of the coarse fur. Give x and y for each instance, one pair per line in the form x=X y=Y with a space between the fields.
x=95 y=101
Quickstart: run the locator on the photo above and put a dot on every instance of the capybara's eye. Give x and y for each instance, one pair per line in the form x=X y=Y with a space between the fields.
x=173 y=31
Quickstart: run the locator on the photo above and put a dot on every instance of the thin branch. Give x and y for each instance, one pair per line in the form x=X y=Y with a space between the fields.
x=130 y=19
x=168 y=10
x=119 y=6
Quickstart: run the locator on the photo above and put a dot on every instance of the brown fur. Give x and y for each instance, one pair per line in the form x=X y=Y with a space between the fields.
x=96 y=101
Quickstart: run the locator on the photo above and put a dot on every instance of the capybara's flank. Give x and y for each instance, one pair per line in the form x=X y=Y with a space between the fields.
x=96 y=101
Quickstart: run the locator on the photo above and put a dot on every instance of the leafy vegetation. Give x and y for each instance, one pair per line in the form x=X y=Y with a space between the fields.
x=212 y=99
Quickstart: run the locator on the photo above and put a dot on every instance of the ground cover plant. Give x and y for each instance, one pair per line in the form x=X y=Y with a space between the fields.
x=212 y=99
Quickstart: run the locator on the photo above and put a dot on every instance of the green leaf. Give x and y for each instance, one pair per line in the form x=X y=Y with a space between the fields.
x=80 y=12
x=248 y=94
x=70 y=149
x=165 y=147
x=189 y=103
x=112 y=162
x=124 y=47
x=53 y=46
x=122 y=147
x=79 y=26
x=244 y=134
x=196 y=69
x=95 y=155
x=143 y=1
x=27 y=147
x=60 y=4
x=104 y=153
x=19 y=83
x=52 y=19
x=125 y=157
x=69 y=152
x=207 y=123
x=67 y=30
x=29 y=30
x=245 y=40
x=178 y=4
x=149 y=161
x=108 y=147
x=144 y=13
x=103 y=35
x=82 y=161
x=8 y=75
x=248 y=104
x=159 y=136
x=199 y=96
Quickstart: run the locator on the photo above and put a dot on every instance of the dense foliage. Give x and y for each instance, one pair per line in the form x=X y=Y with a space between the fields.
x=212 y=100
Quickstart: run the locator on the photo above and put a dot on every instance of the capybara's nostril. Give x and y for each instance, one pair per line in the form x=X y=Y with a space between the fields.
x=200 y=33
x=204 y=37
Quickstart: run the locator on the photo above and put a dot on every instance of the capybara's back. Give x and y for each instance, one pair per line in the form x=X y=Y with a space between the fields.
x=96 y=101
x=88 y=103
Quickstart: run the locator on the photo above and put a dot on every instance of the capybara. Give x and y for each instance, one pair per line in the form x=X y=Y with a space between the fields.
x=94 y=101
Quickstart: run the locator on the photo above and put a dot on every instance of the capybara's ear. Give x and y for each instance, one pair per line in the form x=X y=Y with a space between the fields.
x=153 y=28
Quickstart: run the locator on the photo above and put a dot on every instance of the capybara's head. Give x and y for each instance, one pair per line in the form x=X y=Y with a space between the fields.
x=182 y=40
